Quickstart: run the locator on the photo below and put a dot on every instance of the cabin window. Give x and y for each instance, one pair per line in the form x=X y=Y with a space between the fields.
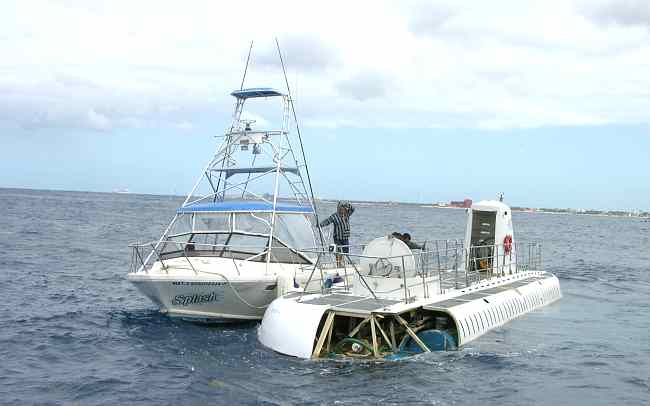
x=282 y=253
x=255 y=223
x=295 y=230
x=207 y=242
x=212 y=222
x=247 y=243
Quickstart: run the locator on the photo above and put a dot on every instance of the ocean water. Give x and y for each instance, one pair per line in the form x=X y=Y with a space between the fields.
x=73 y=331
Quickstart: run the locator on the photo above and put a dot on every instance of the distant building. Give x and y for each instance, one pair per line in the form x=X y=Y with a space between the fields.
x=467 y=203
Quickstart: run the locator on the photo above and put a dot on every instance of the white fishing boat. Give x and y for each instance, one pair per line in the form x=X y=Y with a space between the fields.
x=245 y=233
x=404 y=302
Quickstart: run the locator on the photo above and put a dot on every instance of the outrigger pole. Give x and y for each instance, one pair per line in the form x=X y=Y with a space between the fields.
x=250 y=49
x=302 y=149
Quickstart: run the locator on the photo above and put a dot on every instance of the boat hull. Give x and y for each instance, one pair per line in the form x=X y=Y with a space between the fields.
x=217 y=289
x=289 y=327
x=208 y=300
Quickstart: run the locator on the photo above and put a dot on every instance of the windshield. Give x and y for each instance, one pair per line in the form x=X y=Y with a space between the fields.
x=240 y=235
x=295 y=230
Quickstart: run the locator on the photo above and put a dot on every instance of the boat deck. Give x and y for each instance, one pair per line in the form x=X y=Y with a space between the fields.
x=469 y=297
x=353 y=304
x=364 y=306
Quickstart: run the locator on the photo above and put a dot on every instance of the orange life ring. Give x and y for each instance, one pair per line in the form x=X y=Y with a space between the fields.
x=507 y=244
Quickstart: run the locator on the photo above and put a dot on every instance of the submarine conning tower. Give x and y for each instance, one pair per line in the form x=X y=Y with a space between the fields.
x=489 y=237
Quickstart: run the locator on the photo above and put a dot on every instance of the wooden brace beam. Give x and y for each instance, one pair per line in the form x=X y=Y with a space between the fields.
x=412 y=334
x=323 y=334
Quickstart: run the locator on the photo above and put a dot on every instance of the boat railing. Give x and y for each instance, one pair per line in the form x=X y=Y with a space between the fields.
x=144 y=255
x=424 y=273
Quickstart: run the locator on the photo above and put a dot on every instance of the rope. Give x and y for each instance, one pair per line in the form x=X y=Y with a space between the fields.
x=233 y=288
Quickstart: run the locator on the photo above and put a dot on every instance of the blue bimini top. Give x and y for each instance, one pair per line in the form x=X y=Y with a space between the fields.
x=243 y=207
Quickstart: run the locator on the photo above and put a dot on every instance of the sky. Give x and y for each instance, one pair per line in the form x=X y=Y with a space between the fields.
x=418 y=101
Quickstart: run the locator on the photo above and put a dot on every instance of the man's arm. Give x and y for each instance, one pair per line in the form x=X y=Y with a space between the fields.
x=327 y=221
x=415 y=246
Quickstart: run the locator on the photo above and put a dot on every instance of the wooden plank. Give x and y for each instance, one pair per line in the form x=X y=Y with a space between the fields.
x=350 y=314
x=412 y=334
x=323 y=335
x=358 y=327
x=329 y=337
x=375 y=347
x=381 y=330
x=392 y=336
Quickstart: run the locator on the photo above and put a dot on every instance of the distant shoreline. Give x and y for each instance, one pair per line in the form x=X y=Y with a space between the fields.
x=567 y=211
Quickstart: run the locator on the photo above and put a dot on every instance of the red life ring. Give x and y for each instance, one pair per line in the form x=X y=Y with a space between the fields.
x=507 y=244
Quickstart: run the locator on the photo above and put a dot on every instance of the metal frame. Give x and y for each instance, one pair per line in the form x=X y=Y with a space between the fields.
x=442 y=266
x=221 y=184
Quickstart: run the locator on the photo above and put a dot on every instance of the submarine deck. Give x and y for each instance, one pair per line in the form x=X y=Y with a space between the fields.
x=363 y=305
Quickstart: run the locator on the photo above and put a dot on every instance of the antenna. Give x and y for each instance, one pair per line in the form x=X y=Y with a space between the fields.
x=246 y=68
x=302 y=149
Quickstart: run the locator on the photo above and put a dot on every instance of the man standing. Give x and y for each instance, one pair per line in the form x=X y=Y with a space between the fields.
x=341 y=222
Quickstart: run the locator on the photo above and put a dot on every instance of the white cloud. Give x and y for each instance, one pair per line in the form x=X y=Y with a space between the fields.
x=185 y=126
x=98 y=121
x=257 y=120
x=305 y=52
x=503 y=64
x=621 y=12
x=364 y=86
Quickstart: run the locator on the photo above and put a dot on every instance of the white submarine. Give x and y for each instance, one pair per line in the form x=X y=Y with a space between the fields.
x=400 y=302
